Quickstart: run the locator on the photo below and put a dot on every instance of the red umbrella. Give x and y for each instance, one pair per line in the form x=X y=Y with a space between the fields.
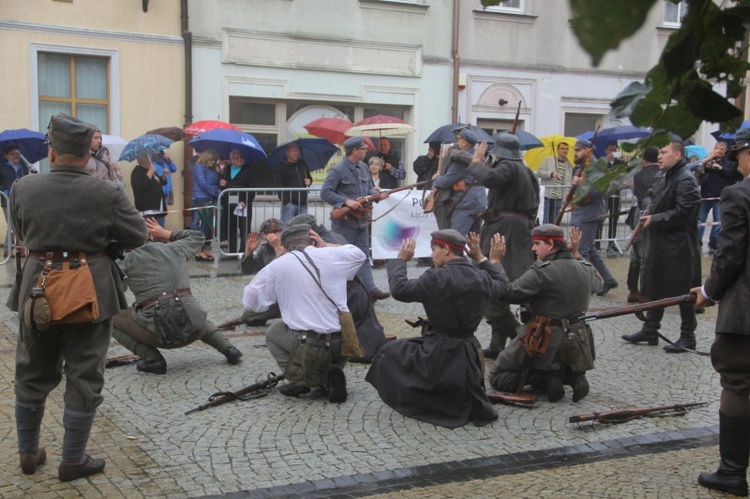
x=333 y=129
x=199 y=127
x=380 y=126
x=171 y=132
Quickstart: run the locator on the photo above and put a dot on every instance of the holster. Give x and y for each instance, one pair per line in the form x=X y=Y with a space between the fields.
x=538 y=334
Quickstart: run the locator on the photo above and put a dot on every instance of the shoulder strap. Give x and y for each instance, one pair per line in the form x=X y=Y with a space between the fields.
x=317 y=271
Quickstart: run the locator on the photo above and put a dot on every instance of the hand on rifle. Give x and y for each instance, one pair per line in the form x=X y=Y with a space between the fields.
x=700 y=299
x=497 y=248
x=353 y=204
x=479 y=153
x=646 y=221
x=406 y=252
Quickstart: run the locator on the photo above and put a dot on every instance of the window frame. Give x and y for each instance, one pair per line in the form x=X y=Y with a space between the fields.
x=113 y=81
x=680 y=6
x=521 y=9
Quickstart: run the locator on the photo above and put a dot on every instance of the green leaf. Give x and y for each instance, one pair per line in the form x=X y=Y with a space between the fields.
x=647 y=112
x=600 y=29
x=677 y=119
x=700 y=99
x=627 y=100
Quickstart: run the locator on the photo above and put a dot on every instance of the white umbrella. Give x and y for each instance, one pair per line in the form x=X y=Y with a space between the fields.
x=114 y=144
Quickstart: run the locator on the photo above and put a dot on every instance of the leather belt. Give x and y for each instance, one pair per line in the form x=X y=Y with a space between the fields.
x=322 y=336
x=559 y=322
x=63 y=256
x=166 y=294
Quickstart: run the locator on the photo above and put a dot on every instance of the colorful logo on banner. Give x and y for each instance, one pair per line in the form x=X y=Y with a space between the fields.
x=393 y=233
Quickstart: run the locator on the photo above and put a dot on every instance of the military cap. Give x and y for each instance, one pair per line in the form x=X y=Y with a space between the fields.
x=353 y=143
x=69 y=135
x=449 y=237
x=295 y=234
x=506 y=146
x=468 y=135
x=547 y=231
x=741 y=141
x=305 y=218
x=651 y=154
x=583 y=144
x=271 y=225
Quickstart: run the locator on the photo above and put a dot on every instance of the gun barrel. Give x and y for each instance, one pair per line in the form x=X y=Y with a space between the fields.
x=640 y=307
x=624 y=415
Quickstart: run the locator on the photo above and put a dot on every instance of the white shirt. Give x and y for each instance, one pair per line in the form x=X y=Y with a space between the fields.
x=303 y=305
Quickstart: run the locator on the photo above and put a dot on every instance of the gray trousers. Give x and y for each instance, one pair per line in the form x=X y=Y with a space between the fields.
x=589 y=252
x=282 y=341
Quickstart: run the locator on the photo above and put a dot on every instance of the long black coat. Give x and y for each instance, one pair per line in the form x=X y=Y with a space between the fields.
x=439 y=377
x=729 y=280
x=671 y=264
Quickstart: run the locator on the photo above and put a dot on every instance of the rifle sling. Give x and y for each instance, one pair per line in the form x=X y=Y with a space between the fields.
x=696 y=352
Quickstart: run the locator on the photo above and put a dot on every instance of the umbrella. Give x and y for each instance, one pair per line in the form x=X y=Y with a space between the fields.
x=527 y=140
x=447 y=133
x=225 y=141
x=535 y=157
x=729 y=135
x=145 y=143
x=616 y=134
x=203 y=126
x=314 y=152
x=33 y=145
x=695 y=150
x=333 y=129
x=114 y=145
x=171 y=132
x=380 y=126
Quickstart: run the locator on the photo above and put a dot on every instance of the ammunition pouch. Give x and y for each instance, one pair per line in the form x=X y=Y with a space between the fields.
x=578 y=351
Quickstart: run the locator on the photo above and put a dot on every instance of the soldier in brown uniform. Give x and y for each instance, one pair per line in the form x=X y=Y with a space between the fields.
x=558 y=287
x=68 y=228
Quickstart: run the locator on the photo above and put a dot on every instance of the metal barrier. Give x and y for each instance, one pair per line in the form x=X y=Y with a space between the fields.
x=9 y=232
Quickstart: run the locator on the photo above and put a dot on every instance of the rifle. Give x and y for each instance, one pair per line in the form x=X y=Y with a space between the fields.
x=639 y=227
x=122 y=360
x=515 y=121
x=625 y=415
x=366 y=202
x=572 y=192
x=639 y=308
x=254 y=391
x=230 y=324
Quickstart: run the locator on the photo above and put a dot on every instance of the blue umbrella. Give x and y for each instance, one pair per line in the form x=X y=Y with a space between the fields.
x=729 y=135
x=314 y=152
x=32 y=145
x=696 y=150
x=527 y=140
x=149 y=143
x=616 y=134
x=225 y=141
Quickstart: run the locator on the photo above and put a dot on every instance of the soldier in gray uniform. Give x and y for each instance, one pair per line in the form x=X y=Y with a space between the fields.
x=87 y=216
x=166 y=314
x=558 y=287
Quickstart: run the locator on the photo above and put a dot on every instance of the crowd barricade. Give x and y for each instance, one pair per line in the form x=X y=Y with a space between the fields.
x=266 y=204
x=8 y=244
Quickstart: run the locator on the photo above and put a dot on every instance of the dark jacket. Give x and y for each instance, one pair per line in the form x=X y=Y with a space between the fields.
x=293 y=175
x=671 y=264
x=729 y=280
x=8 y=176
x=714 y=180
x=245 y=178
x=425 y=168
x=147 y=193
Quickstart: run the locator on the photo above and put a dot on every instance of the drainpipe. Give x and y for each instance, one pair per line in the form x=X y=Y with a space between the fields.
x=187 y=175
x=456 y=60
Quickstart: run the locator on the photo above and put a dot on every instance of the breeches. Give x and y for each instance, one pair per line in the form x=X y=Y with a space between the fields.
x=282 y=341
x=39 y=363
x=729 y=354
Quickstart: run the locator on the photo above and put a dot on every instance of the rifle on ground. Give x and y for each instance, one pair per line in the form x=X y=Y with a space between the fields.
x=254 y=391
x=625 y=415
x=639 y=308
x=366 y=202
x=230 y=324
x=122 y=360
x=639 y=227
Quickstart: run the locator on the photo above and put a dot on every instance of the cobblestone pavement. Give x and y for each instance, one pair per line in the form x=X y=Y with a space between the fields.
x=276 y=446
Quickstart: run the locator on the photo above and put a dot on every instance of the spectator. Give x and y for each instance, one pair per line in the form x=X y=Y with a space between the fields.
x=554 y=170
x=205 y=191
x=236 y=175
x=292 y=173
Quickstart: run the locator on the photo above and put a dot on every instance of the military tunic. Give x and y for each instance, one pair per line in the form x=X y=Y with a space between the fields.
x=558 y=287
x=439 y=377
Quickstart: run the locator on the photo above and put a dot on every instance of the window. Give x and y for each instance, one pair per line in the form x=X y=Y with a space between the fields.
x=77 y=85
x=508 y=6
x=578 y=123
x=674 y=12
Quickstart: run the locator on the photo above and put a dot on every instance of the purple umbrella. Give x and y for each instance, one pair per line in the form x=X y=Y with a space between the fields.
x=32 y=145
x=225 y=141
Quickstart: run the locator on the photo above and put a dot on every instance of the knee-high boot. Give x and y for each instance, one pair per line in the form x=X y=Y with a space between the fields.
x=75 y=462
x=734 y=449
x=28 y=425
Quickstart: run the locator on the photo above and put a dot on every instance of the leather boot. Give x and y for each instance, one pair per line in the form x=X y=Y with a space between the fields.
x=233 y=355
x=153 y=366
x=649 y=337
x=678 y=345
x=71 y=471
x=30 y=461
x=578 y=382
x=555 y=389
x=734 y=448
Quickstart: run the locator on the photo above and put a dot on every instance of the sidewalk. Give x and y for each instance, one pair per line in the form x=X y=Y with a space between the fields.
x=281 y=447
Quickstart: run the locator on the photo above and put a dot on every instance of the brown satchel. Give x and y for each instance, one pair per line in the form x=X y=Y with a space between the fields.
x=62 y=296
x=538 y=334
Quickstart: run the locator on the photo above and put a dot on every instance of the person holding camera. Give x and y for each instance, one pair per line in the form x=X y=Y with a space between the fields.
x=715 y=172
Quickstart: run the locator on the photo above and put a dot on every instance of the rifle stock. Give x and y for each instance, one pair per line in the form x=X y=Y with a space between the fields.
x=639 y=308
x=639 y=227
x=242 y=394
x=344 y=210
x=625 y=415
